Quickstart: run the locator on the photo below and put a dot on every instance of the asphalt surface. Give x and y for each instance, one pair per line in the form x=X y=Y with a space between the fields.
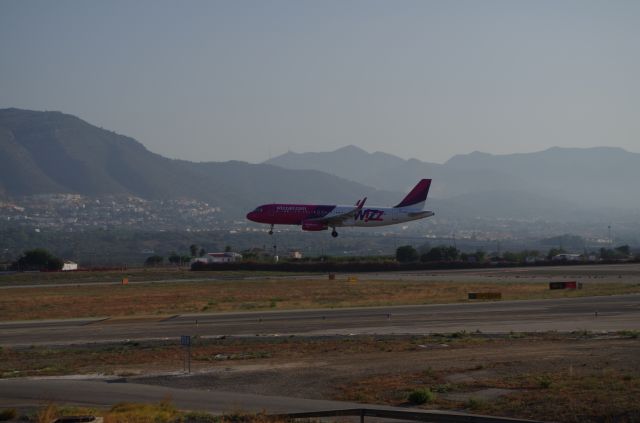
x=610 y=313
x=16 y=392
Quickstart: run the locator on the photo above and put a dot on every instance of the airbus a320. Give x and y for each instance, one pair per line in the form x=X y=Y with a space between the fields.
x=322 y=217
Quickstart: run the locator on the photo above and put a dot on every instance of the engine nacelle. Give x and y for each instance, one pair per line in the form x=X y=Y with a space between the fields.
x=314 y=226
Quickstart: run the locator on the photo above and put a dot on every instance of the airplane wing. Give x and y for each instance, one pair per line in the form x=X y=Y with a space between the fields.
x=339 y=218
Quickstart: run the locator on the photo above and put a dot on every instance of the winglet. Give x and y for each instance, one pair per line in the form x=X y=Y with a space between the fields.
x=360 y=203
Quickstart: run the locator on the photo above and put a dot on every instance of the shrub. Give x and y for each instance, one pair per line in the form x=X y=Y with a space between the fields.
x=474 y=403
x=47 y=414
x=199 y=417
x=421 y=396
x=8 y=414
x=544 y=382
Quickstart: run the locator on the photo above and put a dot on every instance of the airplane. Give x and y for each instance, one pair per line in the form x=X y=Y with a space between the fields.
x=322 y=217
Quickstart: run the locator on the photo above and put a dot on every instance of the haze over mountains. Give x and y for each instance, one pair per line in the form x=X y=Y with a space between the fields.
x=52 y=152
x=557 y=179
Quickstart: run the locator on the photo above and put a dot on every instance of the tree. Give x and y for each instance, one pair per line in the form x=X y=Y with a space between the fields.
x=511 y=257
x=480 y=256
x=38 y=259
x=202 y=252
x=174 y=258
x=554 y=252
x=424 y=248
x=441 y=253
x=624 y=250
x=154 y=260
x=406 y=254
x=193 y=248
x=227 y=249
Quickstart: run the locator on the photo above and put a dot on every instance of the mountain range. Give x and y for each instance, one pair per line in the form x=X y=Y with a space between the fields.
x=52 y=152
x=557 y=179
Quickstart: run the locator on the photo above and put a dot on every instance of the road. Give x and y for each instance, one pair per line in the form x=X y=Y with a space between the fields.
x=17 y=392
x=609 y=313
x=27 y=391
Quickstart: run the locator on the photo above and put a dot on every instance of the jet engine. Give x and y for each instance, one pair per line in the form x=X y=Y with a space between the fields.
x=314 y=226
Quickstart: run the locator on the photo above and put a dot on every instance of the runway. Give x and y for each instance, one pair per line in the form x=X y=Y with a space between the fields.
x=105 y=393
x=609 y=313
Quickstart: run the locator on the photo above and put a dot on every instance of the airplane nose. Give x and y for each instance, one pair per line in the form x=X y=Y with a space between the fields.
x=250 y=215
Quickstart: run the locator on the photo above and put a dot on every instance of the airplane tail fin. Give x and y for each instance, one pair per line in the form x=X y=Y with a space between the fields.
x=417 y=196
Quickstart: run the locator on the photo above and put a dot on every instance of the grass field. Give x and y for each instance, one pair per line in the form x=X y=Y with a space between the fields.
x=168 y=298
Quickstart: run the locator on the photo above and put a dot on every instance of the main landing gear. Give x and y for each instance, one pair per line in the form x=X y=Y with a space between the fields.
x=334 y=233
x=271 y=230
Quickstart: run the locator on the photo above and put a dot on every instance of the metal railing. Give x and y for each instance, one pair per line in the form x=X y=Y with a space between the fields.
x=421 y=416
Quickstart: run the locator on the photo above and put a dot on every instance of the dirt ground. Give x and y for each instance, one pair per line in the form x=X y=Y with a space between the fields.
x=577 y=377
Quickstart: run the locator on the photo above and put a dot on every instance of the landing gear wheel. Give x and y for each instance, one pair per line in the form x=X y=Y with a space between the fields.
x=334 y=234
x=271 y=230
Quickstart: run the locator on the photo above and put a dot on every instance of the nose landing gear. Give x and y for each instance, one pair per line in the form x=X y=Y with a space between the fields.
x=271 y=230
x=334 y=233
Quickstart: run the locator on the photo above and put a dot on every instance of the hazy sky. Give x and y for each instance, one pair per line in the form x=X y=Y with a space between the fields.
x=222 y=80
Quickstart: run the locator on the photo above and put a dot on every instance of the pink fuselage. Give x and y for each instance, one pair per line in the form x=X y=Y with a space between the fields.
x=288 y=214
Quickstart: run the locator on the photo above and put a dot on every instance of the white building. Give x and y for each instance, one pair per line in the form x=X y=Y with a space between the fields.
x=226 y=257
x=295 y=254
x=567 y=257
x=69 y=265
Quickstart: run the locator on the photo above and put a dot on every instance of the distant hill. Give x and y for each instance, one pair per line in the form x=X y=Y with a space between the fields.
x=591 y=177
x=52 y=152
x=556 y=181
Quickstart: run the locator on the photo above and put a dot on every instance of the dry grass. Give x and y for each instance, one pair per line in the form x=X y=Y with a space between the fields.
x=134 y=275
x=129 y=357
x=162 y=412
x=589 y=389
x=245 y=295
x=602 y=395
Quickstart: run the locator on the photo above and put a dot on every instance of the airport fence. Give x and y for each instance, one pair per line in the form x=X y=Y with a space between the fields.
x=358 y=267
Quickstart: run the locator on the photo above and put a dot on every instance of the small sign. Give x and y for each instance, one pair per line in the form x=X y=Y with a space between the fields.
x=185 y=340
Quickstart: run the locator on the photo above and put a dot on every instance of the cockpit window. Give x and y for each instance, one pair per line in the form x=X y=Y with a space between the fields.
x=258 y=210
